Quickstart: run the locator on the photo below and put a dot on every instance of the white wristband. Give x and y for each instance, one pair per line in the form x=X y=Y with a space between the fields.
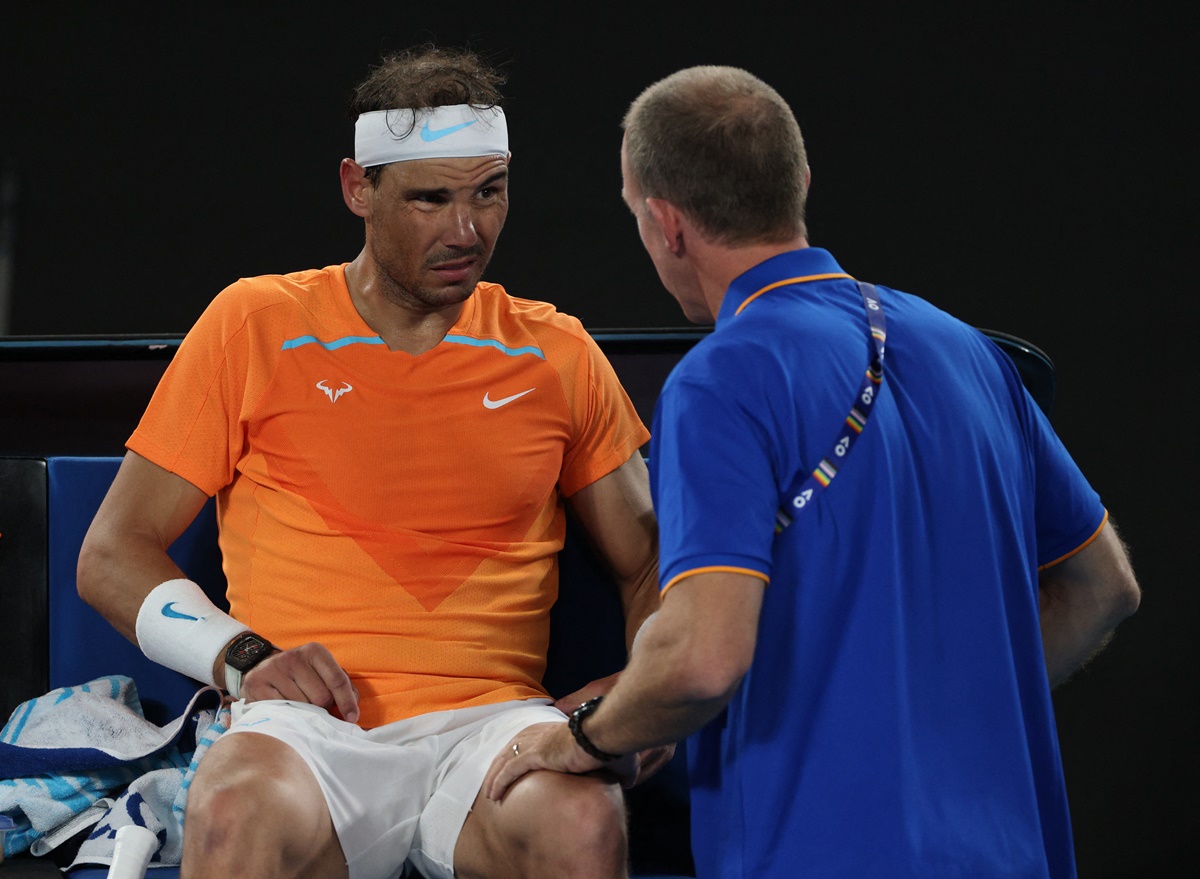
x=179 y=627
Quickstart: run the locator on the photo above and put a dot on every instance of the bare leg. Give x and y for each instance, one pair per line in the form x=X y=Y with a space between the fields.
x=255 y=809
x=548 y=826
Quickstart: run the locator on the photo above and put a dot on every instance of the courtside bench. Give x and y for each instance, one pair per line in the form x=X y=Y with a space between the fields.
x=54 y=639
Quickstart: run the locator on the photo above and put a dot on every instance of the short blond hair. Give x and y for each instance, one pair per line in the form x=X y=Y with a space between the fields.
x=724 y=147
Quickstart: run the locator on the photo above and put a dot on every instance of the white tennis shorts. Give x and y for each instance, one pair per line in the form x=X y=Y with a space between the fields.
x=398 y=794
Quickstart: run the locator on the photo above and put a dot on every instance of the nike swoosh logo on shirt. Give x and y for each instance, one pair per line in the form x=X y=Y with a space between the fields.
x=431 y=134
x=503 y=401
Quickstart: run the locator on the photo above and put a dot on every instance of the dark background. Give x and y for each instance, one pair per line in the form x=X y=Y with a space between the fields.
x=1029 y=168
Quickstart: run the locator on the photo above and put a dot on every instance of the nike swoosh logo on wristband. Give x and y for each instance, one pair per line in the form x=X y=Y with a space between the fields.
x=170 y=612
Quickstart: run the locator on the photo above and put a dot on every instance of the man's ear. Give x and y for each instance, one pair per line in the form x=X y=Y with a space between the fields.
x=356 y=188
x=671 y=224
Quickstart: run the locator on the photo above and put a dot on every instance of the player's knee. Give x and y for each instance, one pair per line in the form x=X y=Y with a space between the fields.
x=221 y=815
x=592 y=832
x=230 y=820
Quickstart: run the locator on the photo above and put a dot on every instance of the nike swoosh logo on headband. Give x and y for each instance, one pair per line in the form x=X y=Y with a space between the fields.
x=430 y=134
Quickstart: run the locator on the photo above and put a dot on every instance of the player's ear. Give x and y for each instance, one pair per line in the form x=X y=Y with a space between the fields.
x=356 y=188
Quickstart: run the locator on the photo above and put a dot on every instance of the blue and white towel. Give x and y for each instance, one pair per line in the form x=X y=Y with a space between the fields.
x=86 y=756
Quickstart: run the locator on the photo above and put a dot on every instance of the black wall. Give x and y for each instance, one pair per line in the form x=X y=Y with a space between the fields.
x=1030 y=168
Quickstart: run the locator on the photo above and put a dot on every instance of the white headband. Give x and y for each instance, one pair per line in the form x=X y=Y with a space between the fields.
x=454 y=132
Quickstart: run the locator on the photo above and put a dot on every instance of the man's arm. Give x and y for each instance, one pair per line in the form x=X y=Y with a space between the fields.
x=124 y=558
x=1083 y=598
x=690 y=658
x=688 y=662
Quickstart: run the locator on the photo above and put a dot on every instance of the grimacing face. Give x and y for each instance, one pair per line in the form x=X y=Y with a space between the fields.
x=432 y=226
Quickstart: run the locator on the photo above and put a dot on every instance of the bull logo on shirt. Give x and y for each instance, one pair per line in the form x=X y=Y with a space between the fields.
x=334 y=393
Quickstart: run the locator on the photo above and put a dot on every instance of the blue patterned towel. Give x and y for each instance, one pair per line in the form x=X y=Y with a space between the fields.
x=63 y=755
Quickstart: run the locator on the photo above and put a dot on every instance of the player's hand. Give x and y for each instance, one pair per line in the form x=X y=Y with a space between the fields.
x=649 y=762
x=307 y=673
x=546 y=746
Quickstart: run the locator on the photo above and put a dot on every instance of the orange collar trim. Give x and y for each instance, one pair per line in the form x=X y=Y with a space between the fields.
x=785 y=283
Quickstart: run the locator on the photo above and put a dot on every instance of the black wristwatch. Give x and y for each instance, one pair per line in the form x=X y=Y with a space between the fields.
x=576 y=726
x=246 y=651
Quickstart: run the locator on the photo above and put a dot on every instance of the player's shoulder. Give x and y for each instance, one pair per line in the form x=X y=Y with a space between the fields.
x=307 y=293
x=538 y=318
x=271 y=304
x=258 y=291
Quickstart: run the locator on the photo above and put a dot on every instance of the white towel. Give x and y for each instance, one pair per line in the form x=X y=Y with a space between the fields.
x=155 y=800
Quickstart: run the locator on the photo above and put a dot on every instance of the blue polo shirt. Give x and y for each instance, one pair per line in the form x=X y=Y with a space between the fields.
x=896 y=720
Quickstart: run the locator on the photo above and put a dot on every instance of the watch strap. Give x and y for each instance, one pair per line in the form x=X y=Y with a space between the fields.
x=233 y=681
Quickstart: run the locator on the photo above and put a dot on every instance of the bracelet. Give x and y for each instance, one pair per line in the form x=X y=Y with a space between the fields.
x=575 y=724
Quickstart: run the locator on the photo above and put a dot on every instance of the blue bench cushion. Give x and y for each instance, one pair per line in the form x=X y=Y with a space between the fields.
x=83 y=645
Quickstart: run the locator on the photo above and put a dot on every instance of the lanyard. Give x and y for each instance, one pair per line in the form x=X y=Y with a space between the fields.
x=860 y=411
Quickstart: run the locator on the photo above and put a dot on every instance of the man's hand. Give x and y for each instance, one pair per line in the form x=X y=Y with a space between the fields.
x=307 y=673
x=547 y=746
x=649 y=761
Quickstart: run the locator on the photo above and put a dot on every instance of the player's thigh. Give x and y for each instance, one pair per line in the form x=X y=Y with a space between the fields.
x=548 y=823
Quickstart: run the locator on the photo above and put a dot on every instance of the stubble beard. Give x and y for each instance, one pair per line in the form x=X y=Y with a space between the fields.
x=425 y=299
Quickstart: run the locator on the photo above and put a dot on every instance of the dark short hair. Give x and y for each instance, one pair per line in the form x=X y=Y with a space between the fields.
x=724 y=147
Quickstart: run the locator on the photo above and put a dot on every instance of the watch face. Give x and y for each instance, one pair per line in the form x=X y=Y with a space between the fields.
x=245 y=650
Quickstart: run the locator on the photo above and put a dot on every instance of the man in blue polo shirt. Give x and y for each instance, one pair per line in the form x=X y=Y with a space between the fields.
x=876 y=556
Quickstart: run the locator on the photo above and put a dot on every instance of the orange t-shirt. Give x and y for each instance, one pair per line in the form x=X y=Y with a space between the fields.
x=403 y=510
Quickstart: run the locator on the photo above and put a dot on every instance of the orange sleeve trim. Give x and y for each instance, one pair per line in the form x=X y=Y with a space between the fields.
x=714 y=569
x=1081 y=546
